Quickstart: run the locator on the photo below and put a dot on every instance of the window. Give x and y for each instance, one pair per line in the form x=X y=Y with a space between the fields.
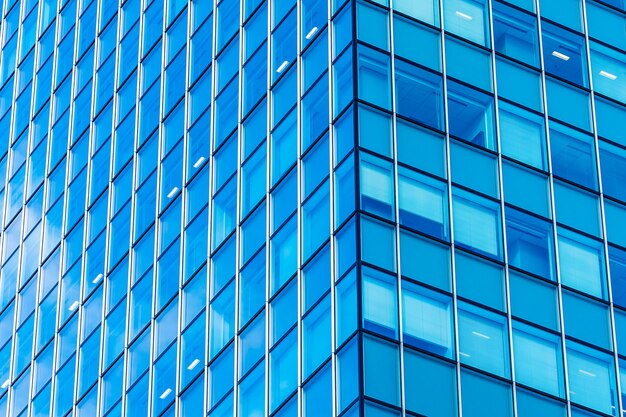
x=577 y=208
x=468 y=63
x=423 y=203
x=477 y=224
x=468 y=19
x=515 y=34
x=471 y=115
x=283 y=370
x=591 y=377
x=544 y=309
x=522 y=135
x=425 y=260
x=378 y=243
x=377 y=188
x=484 y=396
x=381 y=369
x=479 y=280
x=483 y=340
x=380 y=302
x=374 y=79
x=573 y=155
x=526 y=188
x=613 y=164
x=579 y=310
x=530 y=243
x=564 y=53
x=538 y=359
x=427 y=319
x=419 y=95
x=474 y=168
x=429 y=385
x=581 y=262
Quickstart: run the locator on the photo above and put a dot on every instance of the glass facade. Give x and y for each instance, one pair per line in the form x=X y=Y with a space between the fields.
x=313 y=208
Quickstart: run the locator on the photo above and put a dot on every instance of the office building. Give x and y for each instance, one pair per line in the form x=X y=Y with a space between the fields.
x=313 y=208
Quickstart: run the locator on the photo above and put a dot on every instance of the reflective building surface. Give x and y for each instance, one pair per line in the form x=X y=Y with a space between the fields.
x=313 y=208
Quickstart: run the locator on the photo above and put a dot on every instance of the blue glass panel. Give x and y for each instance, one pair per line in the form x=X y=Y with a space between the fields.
x=468 y=63
x=579 y=312
x=283 y=370
x=374 y=78
x=380 y=302
x=538 y=359
x=526 y=188
x=581 y=262
x=419 y=95
x=467 y=18
x=423 y=203
x=573 y=155
x=479 y=280
x=577 y=208
x=591 y=377
x=381 y=370
x=544 y=310
x=515 y=34
x=429 y=385
x=483 y=396
x=316 y=334
x=483 y=340
x=530 y=243
x=477 y=223
x=427 y=319
x=474 y=168
x=425 y=260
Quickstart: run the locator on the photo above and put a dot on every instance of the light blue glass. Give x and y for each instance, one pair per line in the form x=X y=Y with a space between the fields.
x=577 y=208
x=283 y=255
x=381 y=366
x=252 y=398
x=538 y=359
x=468 y=63
x=378 y=243
x=427 y=319
x=377 y=186
x=283 y=370
x=526 y=188
x=423 y=203
x=284 y=312
x=530 y=243
x=315 y=220
x=252 y=344
x=474 y=168
x=374 y=78
x=581 y=262
x=477 y=224
x=468 y=19
x=482 y=396
x=483 y=340
x=380 y=302
x=471 y=115
x=420 y=148
x=522 y=135
x=318 y=400
x=430 y=385
x=316 y=334
x=613 y=165
x=372 y=25
x=591 y=377
x=515 y=34
x=408 y=32
x=479 y=280
x=578 y=310
x=348 y=372
x=425 y=260
x=530 y=404
x=375 y=130
x=544 y=311
x=419 y=95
